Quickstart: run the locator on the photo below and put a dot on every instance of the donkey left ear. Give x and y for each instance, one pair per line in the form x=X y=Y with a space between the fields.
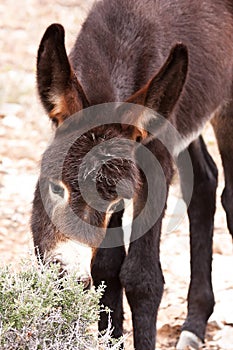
x=162 y=92
x=60 y=91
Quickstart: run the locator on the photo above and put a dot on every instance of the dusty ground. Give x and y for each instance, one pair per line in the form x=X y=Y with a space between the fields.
x=24 y=133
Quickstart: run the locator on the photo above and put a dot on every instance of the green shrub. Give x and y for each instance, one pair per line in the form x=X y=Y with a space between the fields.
x=39 y=310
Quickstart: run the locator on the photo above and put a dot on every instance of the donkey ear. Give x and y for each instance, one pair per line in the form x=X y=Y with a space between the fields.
x=163 y=91
x=59 y=90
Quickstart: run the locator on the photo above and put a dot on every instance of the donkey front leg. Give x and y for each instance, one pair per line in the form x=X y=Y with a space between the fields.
x=201 y=216
x=142 y=278
x=106 y=267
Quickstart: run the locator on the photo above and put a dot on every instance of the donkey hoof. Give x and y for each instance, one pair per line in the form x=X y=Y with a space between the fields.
x=189 y=340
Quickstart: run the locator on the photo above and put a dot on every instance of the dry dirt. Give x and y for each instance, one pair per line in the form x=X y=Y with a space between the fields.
x=24 y=134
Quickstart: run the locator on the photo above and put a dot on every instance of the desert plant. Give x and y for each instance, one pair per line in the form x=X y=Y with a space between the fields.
x=41 y=310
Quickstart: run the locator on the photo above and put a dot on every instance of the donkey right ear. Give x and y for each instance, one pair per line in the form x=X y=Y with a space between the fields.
x=60 y=91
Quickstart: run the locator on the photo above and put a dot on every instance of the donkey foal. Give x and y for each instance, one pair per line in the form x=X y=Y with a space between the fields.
x=176 y=59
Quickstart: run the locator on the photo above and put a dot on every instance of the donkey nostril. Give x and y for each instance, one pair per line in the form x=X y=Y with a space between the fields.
x=56 y=261
x=86 y=281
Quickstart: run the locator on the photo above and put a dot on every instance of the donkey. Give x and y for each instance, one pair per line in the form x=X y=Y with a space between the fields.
x=174 y=58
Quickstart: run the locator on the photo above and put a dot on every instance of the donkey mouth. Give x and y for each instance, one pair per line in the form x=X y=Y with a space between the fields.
x=84 y=279
x=86 y=282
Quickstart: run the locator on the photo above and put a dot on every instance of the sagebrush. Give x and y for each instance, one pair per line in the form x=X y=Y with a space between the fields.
x=40 y=310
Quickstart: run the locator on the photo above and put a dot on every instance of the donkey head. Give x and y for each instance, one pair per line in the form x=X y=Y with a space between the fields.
x=90 y=166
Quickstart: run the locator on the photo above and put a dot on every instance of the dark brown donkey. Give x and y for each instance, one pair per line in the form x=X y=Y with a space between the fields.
x=176 y=58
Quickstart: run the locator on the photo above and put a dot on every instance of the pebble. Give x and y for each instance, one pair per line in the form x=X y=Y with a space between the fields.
x=226 y=341
x=12 y=121
x=10 y=109
x=223 y=244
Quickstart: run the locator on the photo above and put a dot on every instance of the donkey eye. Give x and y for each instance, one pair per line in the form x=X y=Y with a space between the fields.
x=57 y=189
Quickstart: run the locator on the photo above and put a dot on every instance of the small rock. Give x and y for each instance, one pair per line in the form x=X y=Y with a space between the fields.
x=226 y=341
x=222 y=244
x=10 y=109
x=215 y=324
x=12 y=121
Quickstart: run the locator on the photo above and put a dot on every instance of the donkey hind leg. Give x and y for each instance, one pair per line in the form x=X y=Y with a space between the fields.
x=223 y=128
x=201 y=217
x=106 y=267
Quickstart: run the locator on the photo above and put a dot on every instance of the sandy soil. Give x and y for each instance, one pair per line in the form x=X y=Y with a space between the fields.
x=24 y=134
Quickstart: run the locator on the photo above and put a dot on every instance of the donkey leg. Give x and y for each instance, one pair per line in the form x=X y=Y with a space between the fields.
x=223 y=129
x=106 y=267
x=201 y=216
x=142 y=278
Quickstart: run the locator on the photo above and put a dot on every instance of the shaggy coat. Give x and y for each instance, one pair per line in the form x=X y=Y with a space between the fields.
x=176 y=58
